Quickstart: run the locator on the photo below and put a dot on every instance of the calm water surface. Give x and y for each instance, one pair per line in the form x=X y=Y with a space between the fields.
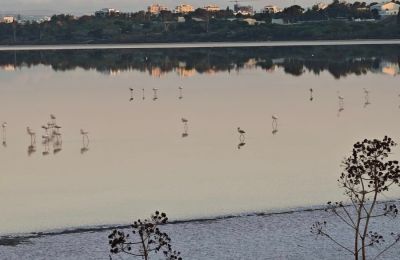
x=138 y=161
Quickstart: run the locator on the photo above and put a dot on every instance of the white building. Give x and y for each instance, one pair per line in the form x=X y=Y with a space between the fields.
x=321 y=6
x=212 y=8
x=156 y=8
x=184 y=9
x=106 y=12
x=8 y=19
x=272 y=9
x=386 y=9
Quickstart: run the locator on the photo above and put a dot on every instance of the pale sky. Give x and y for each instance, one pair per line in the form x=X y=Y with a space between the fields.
x=88 y=6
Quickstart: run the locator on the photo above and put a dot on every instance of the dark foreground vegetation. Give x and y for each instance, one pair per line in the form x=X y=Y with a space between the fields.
x=367 y=175
x=338 y=21
x=339 y=61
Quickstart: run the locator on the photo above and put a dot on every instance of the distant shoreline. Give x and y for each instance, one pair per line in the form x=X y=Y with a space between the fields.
x=198 y=45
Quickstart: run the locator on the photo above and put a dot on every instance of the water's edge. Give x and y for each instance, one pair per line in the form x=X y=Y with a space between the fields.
x=196 y=45
x=23 y=238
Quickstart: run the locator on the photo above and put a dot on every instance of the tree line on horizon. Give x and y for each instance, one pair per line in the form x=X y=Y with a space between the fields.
x=330 y=23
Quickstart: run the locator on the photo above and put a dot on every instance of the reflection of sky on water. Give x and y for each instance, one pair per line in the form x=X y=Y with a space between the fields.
x=139 y=162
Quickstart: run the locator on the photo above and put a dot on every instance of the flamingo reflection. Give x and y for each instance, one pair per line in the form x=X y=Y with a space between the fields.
x=57 y=146
x=31 y=149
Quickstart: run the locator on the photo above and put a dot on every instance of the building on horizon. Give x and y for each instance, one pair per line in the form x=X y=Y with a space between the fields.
x=8 y=19
x=386 y=8
x=243 y=10
x=212 y=8
x=106 y=12
x=184 y=9
x=156 y=9
x=272 y=9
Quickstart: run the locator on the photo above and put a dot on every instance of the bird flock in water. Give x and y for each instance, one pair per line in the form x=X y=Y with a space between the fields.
x=51 y=137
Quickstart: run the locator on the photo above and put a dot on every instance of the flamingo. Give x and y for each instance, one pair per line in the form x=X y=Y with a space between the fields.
x=84 y=134
x=241 y=132
x=155 y=97
x=57 y=135
x=46 y=138
x=180 y=93
x=4 y=133
x=57 y=127
x=32 y=134
x=341 y=99
x=275 y=118
x=46 y=128
x=131 y=89
x=241 y=144
x=184 y=120
x=53 y=118
x=4 y=129
x=143 y=97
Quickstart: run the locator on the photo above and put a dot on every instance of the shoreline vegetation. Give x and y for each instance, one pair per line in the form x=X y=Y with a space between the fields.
x=338 y=21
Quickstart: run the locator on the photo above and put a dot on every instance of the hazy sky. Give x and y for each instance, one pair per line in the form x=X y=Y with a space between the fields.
x=87 y=6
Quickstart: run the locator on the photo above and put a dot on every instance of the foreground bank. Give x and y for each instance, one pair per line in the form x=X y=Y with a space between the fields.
x=258 y=236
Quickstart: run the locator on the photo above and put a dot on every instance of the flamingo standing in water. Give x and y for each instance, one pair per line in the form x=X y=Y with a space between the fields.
x=240 y=131
x=32 y=134
x=341 y=98
x=53 y=118
x=155 y=97
x=367 y=102
x=85 y=134
x=143 y=97
x=131 y=89
x=180 y=93
x=185 y=127
x=4 y=133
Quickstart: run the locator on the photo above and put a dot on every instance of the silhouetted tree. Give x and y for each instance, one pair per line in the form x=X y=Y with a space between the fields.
x=146 y=238
x=367 y=174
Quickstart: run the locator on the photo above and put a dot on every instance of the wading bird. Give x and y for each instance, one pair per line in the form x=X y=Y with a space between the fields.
x=4 y=133
x=155 y=97
x=180 y=93
x=85 y=134
x=53 y=118
x=32 y=134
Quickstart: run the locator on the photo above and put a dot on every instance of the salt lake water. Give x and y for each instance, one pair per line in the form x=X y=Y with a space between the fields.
x=141 y=156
